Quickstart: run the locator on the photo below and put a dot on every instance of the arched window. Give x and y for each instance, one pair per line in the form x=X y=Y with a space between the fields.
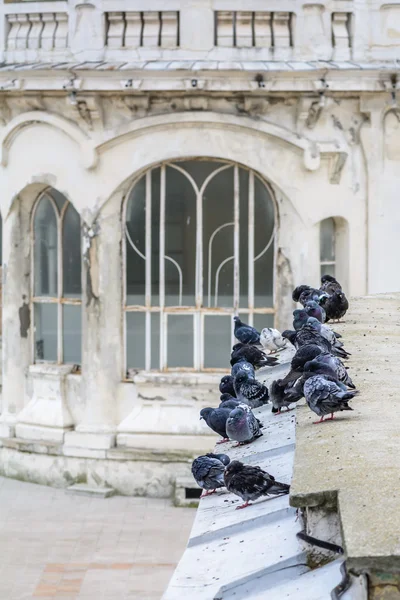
x=327 y=236
x=56 y=282
x=198 y=249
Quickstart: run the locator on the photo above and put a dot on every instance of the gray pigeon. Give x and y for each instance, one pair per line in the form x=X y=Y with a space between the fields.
x=313 y=309
x=208 y=471
x=216 y=420
x=243 y=365
x=228 y=401
x=250 y=391
x=279 y=396
x=245 y=333
x=250 y=483
x=325 y=396
x=333 y=362
x=326 y=332
x=242 y=426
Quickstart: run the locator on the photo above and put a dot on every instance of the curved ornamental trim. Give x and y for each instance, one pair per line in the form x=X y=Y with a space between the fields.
x=172 y=312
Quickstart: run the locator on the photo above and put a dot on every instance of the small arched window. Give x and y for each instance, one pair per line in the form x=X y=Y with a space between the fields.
x=56 y=281
x=199 y=248
x=327 y=237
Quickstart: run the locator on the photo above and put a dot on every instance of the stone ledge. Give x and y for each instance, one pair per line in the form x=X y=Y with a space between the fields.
x=352 y=461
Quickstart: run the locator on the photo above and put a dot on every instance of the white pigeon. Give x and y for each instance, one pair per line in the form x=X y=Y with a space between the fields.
x=272 y=340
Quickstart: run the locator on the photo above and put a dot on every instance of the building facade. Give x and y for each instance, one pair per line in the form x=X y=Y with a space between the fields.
x=163 y=167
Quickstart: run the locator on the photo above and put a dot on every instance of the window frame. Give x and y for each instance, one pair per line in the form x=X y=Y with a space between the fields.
x=60 y=300
x=328 y=263
x=198 y=311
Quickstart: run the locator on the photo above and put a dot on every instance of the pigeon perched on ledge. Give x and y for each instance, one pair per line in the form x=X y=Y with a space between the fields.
x=272 y=340
x=324 y=395
x=226 y=385
x=250 y=483
x=250 y=391
x=335 y=304
x=279 y=396
x=325 y=361
x=228 y=401
x=208 y=471
x=243 y=365
x=216 y=420
x=242 y=426
x=253 y=355
x=245 y=333
x=313 y=309
x=305 y=293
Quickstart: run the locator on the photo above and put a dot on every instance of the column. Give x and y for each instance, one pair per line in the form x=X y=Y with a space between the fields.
x=17 y=319
x=102 y=344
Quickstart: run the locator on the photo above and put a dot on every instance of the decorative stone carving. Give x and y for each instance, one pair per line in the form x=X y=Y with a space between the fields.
x=61 y=35
x=225 y=28
x=116 y=28
x=169 y=29
x=281 y=27
x=244 y=29
x=151 y=29
x=262 y=30
x=46 y=416
x=49 y=31
x=133 y=31
x=341 y=30
x=23 y=32
x=14 y=25
x=35 y=33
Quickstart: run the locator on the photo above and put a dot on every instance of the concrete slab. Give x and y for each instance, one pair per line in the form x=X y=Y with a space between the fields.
x=82 y=489
x=353 y=460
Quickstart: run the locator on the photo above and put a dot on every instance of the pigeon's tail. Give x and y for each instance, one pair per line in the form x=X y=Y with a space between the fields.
x=341 y=352
x=350 y=384
x=349 y=395
x=279 y=488
x=259 y=423
x=345 y=406
x=269 y=361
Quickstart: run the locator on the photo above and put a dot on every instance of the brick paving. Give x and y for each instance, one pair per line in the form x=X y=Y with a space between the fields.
x=56 y=546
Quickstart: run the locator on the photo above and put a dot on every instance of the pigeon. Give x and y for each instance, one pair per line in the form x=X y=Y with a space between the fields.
x=303 y=355
x=242 y=426
x=313 y=309
x=226 y=385
x=253 y=355
x=326 y=359
x=280 y=398
x=208 y=471
x=245 y=333
x=325 y=396
x=326 y=332
x=243 y=365
x=330 y=285
x=305 y=293
x=250 y=391
x=250 y=483
x=216 y=420
x=300 y=317
x=308 y=334
x=272 y=340
x=336 y=306
x=228 y=401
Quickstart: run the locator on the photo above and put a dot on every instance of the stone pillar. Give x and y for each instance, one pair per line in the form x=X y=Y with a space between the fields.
x=102 y=344
x=17 y=329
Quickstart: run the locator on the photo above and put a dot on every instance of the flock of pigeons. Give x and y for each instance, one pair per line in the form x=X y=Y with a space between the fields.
x=317 y=373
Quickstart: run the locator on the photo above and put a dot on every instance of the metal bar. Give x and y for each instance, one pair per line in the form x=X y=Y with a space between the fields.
x=251 y=245
x=219 y=310
x=199 y=346
x=163 y=321
x=60 y=281
x=236 y=275
x=199 y=250
x=210 y=245
x=148 y=271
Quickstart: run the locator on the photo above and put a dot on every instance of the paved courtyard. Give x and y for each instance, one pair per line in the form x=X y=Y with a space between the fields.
x=56 y=546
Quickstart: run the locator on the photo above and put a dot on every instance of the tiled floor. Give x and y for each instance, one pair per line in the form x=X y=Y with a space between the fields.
x=55 y=546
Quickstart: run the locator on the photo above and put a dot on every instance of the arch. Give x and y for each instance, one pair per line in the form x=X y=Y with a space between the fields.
x=9 y=133
x=311 y=151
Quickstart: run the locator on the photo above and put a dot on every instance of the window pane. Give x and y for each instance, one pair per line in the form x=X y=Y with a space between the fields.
x=327 y=240
x=180 y=341
x=45 y=249
x=72 y=334
x=46 y=332
x=217 y=341
x=218 y=212
x=58 y=198
x=244 y=237
x=180 y=240
x=200 y=169
x=261 y=321
x=263 y=229
x=155 y=341
x=328 y=270
x=136 y=245
x=71 y=253
x=135 y=340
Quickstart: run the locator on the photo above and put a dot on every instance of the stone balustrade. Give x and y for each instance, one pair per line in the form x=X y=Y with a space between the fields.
x=199 y=29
